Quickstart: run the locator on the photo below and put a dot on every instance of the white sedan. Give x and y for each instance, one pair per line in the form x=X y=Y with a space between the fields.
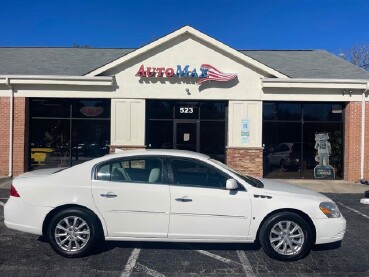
x=168 y=195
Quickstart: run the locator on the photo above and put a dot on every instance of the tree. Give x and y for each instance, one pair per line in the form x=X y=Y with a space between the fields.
x=358 y=55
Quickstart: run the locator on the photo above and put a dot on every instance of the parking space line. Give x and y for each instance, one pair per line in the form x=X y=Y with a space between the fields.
x=148 y=271
x=217 y=257
x=245 y=263
x=131 y=263
x=355 y=211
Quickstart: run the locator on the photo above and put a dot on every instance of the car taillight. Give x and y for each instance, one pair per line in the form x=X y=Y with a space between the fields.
x=13 y=192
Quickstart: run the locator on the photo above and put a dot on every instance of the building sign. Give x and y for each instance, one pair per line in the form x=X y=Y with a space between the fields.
x=323 y=170
x=245 y=131
x=206 y=72
x=91 y=111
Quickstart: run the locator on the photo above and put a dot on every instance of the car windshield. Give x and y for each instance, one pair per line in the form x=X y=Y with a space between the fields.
x=250 y=180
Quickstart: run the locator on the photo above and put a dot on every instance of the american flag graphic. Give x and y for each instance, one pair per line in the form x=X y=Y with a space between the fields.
x=216 y=75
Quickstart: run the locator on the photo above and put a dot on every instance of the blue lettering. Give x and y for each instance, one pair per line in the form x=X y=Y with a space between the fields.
x=182 y=73
x=204 y=72
x=194 y=74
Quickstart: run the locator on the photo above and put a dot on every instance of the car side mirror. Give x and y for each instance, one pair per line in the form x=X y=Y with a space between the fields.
x=231 y=184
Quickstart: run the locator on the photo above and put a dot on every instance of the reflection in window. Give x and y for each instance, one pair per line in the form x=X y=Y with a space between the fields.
x=194 y=174
x=65 y=132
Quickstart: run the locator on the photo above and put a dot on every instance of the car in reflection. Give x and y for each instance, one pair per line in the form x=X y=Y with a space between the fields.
x=287 y=156
x=169 y=196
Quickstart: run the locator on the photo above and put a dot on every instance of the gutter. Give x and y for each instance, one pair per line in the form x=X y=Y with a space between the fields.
x=11 y=126
x=56 y=80
x=362 y=148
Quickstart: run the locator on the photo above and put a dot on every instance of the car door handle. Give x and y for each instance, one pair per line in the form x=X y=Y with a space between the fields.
x=108 y=195
x=184 y=199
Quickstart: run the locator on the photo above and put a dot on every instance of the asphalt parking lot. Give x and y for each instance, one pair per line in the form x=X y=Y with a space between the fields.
x=29 y=255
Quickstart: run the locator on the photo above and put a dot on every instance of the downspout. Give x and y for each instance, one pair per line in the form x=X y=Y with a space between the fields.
x=11 y=126
x=362 y=150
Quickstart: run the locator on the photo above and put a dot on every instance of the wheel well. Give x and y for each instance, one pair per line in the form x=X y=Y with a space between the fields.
x=52 y=213
x=298 y=212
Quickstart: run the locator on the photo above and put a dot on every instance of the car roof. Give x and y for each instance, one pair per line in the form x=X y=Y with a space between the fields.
x=156 y=152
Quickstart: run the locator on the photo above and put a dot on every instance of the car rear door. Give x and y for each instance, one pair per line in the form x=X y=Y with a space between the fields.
x=132 y=197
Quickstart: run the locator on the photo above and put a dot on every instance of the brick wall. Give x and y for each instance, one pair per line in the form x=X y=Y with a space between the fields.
x=20 y=135
x=366 y=150
x=4 y=135
x=352 y=153
x=247 y=161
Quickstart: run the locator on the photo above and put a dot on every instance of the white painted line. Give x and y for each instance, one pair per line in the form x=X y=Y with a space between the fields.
x=211 y=255
x=148 y=271
x=217 y=257
x=245 y=263
x=131 y=263
x=2 y=204
x=355 y=211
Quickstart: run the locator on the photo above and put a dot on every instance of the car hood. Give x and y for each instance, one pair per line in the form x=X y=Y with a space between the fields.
x=279 y=187
x=40 y=172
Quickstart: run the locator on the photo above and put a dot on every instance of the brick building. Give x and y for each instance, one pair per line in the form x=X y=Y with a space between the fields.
x=261 y=112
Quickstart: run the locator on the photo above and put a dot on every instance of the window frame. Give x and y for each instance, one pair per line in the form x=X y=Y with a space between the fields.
x=163 y=173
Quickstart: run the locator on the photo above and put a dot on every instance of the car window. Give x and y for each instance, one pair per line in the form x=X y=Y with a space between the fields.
x=135 y=170
x=195 y=174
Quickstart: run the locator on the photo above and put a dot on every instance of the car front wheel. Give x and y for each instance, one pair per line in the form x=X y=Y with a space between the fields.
x=72 y=233
x=286 y=236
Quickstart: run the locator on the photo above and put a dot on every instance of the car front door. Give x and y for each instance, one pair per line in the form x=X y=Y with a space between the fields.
x=202 y=208
x=132 y=197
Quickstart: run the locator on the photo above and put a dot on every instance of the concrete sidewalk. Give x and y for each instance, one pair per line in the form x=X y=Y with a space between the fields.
x=330 y=186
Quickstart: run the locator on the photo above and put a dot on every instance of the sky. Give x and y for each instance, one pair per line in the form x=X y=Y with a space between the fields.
x=333 y=25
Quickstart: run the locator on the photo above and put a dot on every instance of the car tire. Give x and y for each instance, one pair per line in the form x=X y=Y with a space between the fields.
x=286 y=236
x=72 y=233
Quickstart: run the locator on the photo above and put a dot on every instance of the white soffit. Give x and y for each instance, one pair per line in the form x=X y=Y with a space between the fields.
x=314 y=83
x=55 y=80
x=197 y=34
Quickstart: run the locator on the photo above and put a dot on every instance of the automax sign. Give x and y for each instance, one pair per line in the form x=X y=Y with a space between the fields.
x=206 y=72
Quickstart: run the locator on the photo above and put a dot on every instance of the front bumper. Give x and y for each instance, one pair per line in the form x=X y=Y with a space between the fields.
x=329 y=229
x=24 y=217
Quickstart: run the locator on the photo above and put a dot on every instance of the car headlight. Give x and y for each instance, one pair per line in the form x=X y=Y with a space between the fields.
x=330 y=209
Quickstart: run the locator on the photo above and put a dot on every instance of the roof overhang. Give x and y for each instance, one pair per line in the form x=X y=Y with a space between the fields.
x=194 y=33
x=11 y=80
x=315 y=83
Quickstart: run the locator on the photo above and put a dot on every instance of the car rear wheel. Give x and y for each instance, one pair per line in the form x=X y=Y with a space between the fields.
x=73 y=232
x=286 y=236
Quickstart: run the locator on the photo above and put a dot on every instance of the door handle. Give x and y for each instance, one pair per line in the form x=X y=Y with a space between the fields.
x=184 y=199
x=109 y=195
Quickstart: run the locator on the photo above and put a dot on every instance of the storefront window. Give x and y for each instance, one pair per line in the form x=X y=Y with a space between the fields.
x=290 y=134
x=65 y=132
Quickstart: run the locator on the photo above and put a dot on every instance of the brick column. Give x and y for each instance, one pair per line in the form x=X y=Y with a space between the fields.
x=366 y=148
x=352 y=153
x=20 y=135
x=248 y=161
x=4 y=135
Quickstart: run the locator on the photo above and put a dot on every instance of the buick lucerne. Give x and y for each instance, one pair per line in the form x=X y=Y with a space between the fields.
x=171 y=196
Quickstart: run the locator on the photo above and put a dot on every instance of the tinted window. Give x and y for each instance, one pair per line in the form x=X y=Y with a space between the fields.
x=195 y=174
x=135 y=170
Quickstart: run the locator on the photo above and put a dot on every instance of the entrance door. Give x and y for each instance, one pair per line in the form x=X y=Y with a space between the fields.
x=186 y=136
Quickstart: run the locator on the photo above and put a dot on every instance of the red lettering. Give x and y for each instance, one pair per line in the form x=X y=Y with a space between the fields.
x=141 y=72
x=169 y=72
x=160 y=71
x=149 y=73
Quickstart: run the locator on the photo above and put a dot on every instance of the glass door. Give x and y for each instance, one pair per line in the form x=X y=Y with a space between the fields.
x=186 y=136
